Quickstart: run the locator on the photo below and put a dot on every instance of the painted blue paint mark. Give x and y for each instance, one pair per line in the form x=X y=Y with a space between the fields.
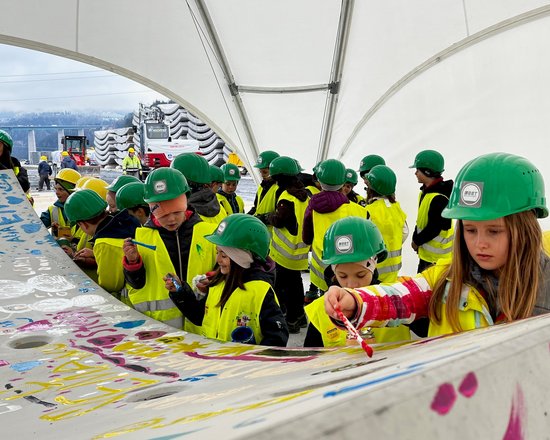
x=250 y=422
x=197 y=378
x=21 y=367
x=86 y=289
x=130 y=324
x=174 y=436
x=450 y=355
x=7 y=324
x=369 y=383
x=29 y=228
x=9 y=221
x=36 y=252
x=14 y=200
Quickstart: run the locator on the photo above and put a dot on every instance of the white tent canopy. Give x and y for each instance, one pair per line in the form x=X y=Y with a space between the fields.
x=315 y=79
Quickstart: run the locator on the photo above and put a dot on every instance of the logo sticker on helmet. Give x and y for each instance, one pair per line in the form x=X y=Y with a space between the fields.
x=471 y=194
x=344 y=244
x=160 y=187
x=221 y=228
x=231 y=172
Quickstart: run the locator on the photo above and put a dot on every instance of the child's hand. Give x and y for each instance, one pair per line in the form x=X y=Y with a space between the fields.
x=171 y=282
x=130 y=251
x=337 y=297
x=82 y=254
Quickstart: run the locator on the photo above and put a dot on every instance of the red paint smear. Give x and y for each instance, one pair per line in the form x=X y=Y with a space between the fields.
x=514 y=431
x=469 y=385
x=3 y=363
x=444 y=399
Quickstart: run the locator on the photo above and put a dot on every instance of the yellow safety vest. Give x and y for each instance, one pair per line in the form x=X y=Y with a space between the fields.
x=217 y=218
x=390 y=219
x=473 y=309
x=267 y=204
x=153 y=299
x=441 y=246
x=242 y=308
x=546 y=242
x=225 y=204
x=286 y=249
x=108 y=256
x=55 y=217
x=321 y=222
x=336 y=337
x=131 y=163
x=313 y=189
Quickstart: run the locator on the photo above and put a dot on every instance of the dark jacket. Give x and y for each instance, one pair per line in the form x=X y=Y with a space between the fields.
x=272 y=321
x=9 y=162
x=323 y=202
x=177 y=244
x=44 y=169
x=205 y=202
x=284 y=215
x=436 y=223
x=121 y=225
x=69 y=162
x=231 y=199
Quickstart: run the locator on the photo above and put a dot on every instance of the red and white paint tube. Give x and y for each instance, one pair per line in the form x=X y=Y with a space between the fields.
x=353 y=332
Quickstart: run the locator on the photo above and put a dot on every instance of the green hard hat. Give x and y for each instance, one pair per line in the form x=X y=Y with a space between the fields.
x=164 y=184
x=369 y=162
x=194 y=167
x=230 y=172
x=242 y=231
x=430 y=159
x=120 y=181
x=130 y=195
x=331 y=172
x=382 y=180
x=496 y=185
x=216 y=174
x=284 y=165
x=83 y=205
x=351 y=176
x=265 y=158
x=6 y=138
x=353 y=239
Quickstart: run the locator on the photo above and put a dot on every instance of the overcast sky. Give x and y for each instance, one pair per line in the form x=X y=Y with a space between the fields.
x=32 y=81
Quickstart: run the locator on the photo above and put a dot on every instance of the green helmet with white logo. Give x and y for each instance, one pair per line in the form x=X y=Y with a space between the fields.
x=284 y=165
x=369 y=162
x=120 y=181
x=429 y=159
x=331 y=172
x=265 y=158
x=231 y=172
x=242 y=231
x=83 y=205
x=351 y=176
x=353 y=239
x=164 y=184
x=496 y=185
x=216 y=174
x=194 y=167
x=130 y=195
x=382 y=180
x=6 y=138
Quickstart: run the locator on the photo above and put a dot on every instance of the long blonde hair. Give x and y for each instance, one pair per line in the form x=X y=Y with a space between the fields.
x=518 y=279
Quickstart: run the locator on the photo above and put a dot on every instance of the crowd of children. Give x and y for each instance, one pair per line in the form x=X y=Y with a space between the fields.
x=179 y=248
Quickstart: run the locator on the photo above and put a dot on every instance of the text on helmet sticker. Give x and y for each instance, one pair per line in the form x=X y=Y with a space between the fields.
x=343 y=244
x=160 y=187
x=221 y=228
x=471 y=194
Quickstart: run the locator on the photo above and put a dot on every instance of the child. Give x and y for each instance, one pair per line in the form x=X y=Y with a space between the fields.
x=178 y=235
x=347 y=189
x=131 y=197
x=353 y=247
x=240 y=294
x=228 y=198
x=498 y=272
x=386 y=213
x=266 y=195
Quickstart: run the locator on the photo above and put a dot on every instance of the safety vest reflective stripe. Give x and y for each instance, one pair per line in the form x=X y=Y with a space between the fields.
x=440 y=246
x=152 y=306
x=389 y=269
x=393 y=254
x=286 y=249
x=317 y=271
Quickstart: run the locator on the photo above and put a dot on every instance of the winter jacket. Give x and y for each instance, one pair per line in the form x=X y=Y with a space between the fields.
x=44 y=169
x=322 y=202
x=402 y=303
x=10 y=162
x=271 y=321
x=436 y=223
x=206 y=204
x=69 y=162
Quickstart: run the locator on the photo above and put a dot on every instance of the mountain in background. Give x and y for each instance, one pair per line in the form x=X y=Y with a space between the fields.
x=46 y=138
